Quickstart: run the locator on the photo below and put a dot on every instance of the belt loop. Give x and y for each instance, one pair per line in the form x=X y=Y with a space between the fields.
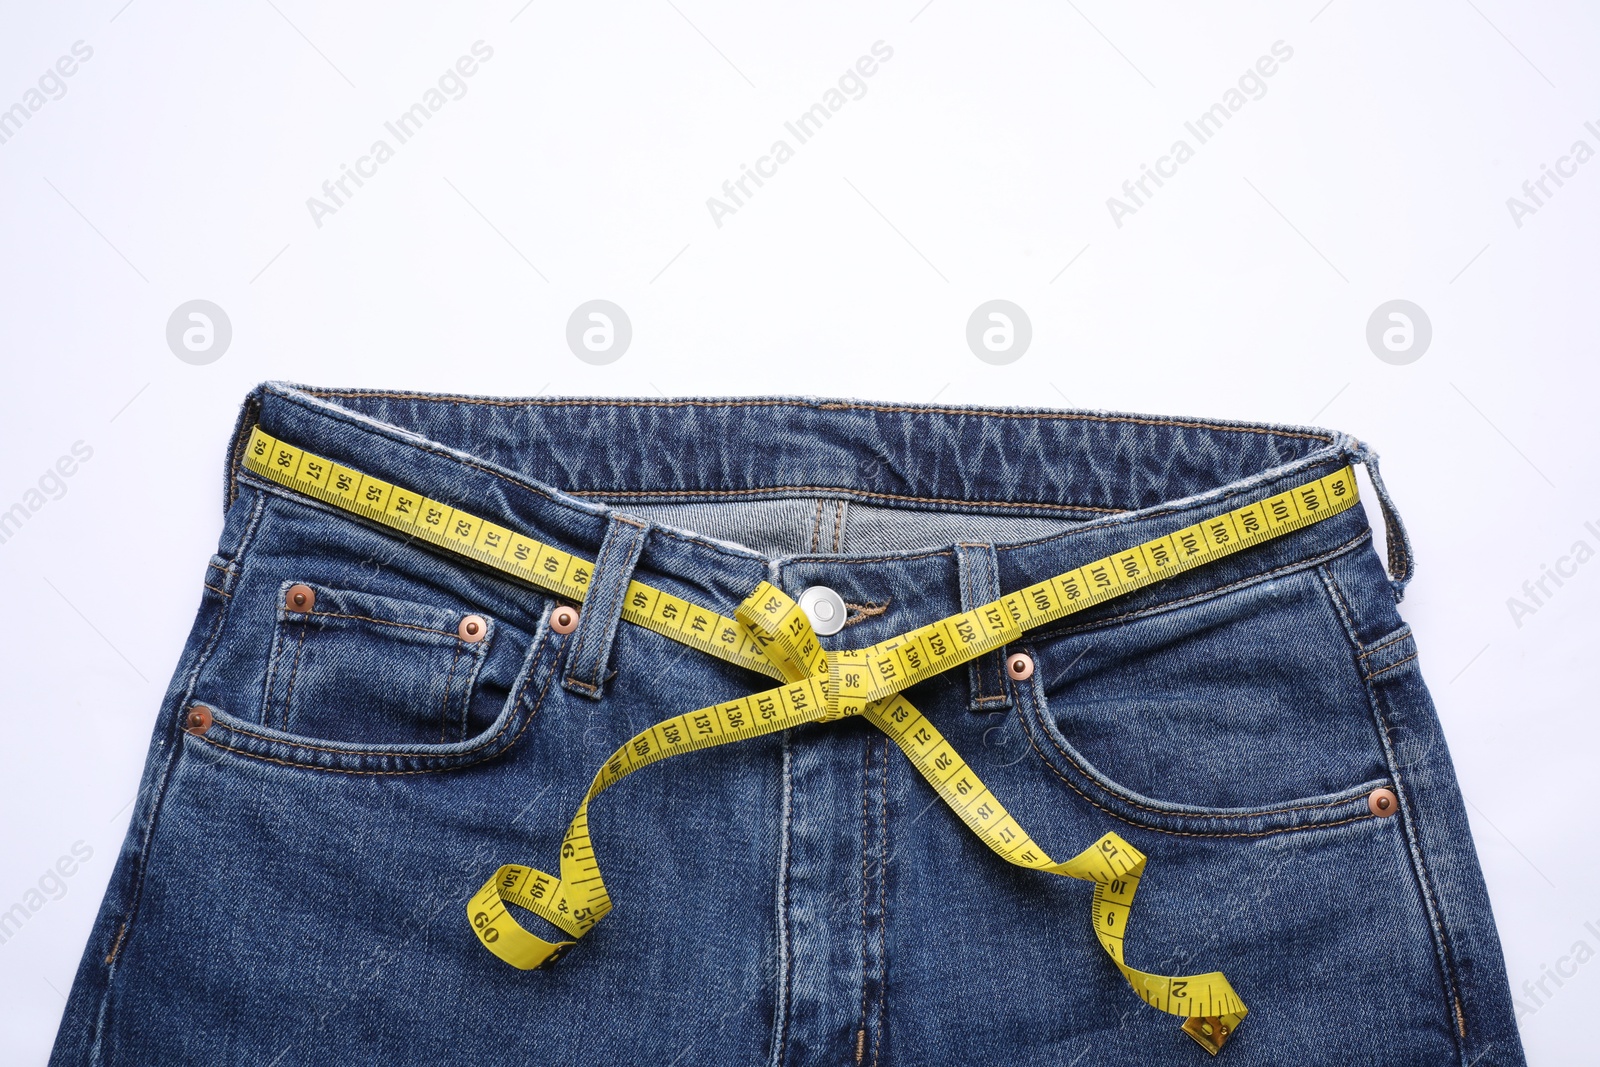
x=979 y=570
x=1401 y=561
x=588 y=662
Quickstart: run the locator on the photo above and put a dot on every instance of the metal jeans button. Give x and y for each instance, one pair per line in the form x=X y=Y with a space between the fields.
x=198 y=721
x=824 y=608
x=1382 y=803
x=1020 y=666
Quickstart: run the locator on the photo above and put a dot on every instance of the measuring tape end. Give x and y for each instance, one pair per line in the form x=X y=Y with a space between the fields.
x=1211 y=1032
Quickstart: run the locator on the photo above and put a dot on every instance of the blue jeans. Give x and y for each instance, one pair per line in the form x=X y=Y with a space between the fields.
x=292 y=886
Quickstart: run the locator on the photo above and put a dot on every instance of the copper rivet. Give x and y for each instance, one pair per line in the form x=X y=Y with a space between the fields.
x=1382 y=802
x=300 y=598
x=564 y=620
x=472 y=629
x=1020 y=666
x=198 y=721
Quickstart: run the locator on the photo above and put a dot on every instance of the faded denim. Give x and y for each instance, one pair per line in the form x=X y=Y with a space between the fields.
x=292 y=885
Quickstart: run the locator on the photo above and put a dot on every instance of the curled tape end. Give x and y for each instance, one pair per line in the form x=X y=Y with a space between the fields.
x=1211 y=1032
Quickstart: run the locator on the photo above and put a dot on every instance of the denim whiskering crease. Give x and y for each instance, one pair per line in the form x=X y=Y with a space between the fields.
x=292 y=883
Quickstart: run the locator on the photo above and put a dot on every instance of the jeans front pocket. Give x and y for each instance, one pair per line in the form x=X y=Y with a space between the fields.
x=344 y=650
x=355 y=666
x=1244 y=711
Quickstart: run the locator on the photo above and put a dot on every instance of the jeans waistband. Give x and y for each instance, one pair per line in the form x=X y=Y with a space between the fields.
x=558 y=468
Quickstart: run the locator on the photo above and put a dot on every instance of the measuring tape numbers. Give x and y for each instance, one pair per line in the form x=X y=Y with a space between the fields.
x=770 y=633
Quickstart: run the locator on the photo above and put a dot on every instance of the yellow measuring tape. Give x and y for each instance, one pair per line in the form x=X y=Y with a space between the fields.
x=771 y=634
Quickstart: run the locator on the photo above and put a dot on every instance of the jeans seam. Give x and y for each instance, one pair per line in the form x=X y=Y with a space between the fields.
x=1449 y=979
x=964 y=572
x=331 y=411
x=269 y=688
x=381 y=622
x=521 y=698
x=586 y=638
x=862 y=612
x=252 y=409
x=1223 y=494
x=438 y=452
x=827 y=405
x=866 y=888
x=607 y=613
x=174 y=738
x=1178 y=833
x=854 y=560
x=1038 y=712
x=784 y=973
x=883 y=899
x=848 y=492
x=294 y=673
x=377 y=751
x=1405 y=633
x=977 y=674
x=247 y=477
x=444 y=704
x=1390 y=667
x=1208 y=594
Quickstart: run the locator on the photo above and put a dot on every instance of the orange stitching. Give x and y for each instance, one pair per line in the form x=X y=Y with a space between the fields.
x=1392 y=666
x=1386 y=644
x=1038 y=712
x=838 y=524
x=425 y=770
x=381 y=622
x=214 y=589
x=816 y=526
x=721 y=549
x=116 y=946
x=379 y=751
x=863 y=612
x=1181 y=833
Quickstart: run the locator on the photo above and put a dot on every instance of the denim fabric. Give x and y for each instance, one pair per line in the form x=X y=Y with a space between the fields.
x=292 y=886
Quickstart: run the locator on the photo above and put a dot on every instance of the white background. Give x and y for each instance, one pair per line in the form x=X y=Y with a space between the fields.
x=1377 y=166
